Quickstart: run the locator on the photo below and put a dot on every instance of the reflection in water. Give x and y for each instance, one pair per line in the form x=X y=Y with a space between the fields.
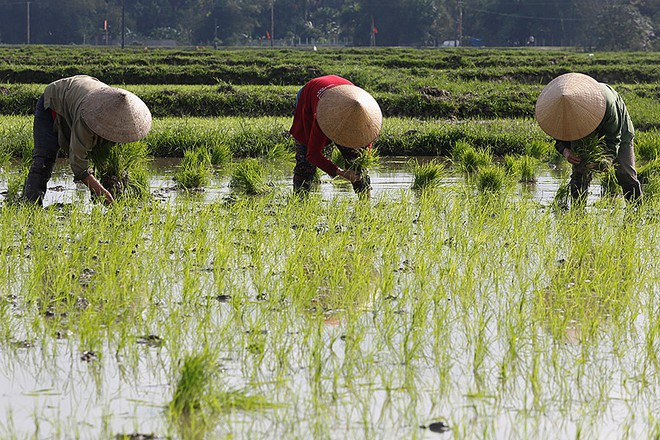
x=388 y=180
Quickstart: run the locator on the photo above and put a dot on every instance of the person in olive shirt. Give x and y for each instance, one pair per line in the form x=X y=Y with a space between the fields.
x=574 y=106
x=80 y=114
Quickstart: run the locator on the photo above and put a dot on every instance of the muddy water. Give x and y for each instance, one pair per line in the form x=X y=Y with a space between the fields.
x=48 y=391
x=388 y=180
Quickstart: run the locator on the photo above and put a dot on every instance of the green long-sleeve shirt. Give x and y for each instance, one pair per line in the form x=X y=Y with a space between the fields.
x=616 y=126
x=64 y=97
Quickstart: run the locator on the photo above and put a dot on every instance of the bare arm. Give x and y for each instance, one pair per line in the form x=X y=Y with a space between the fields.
x=97 y=189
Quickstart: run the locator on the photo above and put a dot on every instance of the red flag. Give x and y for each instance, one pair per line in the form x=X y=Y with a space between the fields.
x=105 y=25
x=268 y=35
x=375 y=30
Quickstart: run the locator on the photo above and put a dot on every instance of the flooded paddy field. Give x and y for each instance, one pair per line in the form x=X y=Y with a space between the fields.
x=437 y=314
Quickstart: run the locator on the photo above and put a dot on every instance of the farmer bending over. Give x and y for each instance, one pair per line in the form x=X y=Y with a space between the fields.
x=574 y=106
x=81 y=114
x=332 y=109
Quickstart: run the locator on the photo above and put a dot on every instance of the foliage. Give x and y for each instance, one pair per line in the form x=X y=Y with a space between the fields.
x=357 y=22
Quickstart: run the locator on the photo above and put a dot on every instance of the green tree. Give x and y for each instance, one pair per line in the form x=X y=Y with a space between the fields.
x=623 y=27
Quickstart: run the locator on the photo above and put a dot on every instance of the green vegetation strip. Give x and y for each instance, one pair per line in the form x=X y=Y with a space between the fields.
x=419 y=307
x=420 y=97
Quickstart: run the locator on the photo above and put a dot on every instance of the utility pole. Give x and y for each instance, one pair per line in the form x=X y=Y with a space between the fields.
x=459 y=33
x=123 y=24
x=272 y=22
x=28 y=21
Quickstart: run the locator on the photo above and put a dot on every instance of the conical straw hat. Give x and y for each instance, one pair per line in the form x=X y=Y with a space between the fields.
x=570 y=107
x=349 y=116
x=116 y=115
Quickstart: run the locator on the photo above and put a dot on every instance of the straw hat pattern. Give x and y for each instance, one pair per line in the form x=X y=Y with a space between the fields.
x=116 y=115
x=570 y=107
x=349 y=116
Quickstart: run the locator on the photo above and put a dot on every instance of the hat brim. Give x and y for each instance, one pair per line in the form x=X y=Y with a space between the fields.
x=570 y=107
x=349 y=116
x=116 y=115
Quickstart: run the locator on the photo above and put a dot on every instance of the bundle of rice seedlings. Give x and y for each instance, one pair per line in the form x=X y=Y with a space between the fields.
x=280 y=151
x=562 y=199
x=121 y=168
x=647 y=144
x=426 y=175
x=609 y=186
x=470 y=159
x=527 y=166
x=591 y=150
x=15 y=184
x=368 y=159
x=539 y=149
x=194 y=170
x=491 y=179
x=649 y=170
x=249 y=177
x=220 y=154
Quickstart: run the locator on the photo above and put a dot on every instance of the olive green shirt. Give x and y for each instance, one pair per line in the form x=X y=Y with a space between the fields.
x=64 y=97
x=616 y=127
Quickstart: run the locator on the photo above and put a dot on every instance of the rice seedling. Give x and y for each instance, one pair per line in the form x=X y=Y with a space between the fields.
x=121 y=168
x=470 y=159
x=648 y=170
x=522 y=167
x=220 y=154
x=609 y=186
x=647 y=144
x=490 y=179
x=539 y=149
x=249 y=177
x=194 y=170
x=562 y=199
x=281 y=152
x=591 y=150
x=426 y=175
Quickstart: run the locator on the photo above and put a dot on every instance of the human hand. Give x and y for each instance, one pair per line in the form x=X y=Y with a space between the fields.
x=98 y=190
x=571 y=157
x=349 y=175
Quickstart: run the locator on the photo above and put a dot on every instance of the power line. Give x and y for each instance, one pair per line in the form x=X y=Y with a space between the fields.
x=529 y=17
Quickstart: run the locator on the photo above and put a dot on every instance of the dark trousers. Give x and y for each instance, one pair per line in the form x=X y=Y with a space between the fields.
x=626 y=176
x=304 y=172
x=45 y=151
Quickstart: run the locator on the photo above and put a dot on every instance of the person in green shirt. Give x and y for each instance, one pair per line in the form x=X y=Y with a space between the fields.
x=574 y=106
x=80 y=114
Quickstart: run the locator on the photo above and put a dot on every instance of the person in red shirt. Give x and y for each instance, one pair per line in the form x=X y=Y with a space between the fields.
x=332 y=109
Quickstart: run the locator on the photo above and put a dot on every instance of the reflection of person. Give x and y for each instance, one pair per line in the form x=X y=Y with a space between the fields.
x=574 y=106
x=332 y=109
x=81 y=114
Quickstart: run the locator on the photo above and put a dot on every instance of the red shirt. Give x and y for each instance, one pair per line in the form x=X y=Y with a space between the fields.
x=306 y=130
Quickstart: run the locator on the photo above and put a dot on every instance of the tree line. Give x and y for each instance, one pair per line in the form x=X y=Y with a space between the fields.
x=593 y=24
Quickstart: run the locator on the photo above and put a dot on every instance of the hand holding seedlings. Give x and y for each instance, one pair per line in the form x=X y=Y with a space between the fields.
x=97 y=189
x=81 y=115
x=591 y=126
x=349 y=175
x=571 y=157
x=332 y=109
